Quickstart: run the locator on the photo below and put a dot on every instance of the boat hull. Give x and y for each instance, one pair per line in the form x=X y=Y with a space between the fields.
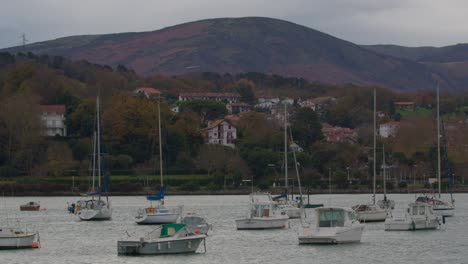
x=157 y=218
x=17 y=241
x=293 y=212
x=445 y=212
x=162 y=246
x=408 y=224
x=334 y=235
x=95 y=214
x=371 y=216
x=261 y=223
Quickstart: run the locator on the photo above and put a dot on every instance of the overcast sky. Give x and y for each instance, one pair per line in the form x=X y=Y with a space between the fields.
x=401 y=22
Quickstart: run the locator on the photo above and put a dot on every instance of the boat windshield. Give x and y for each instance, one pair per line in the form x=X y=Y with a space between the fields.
x=419 y=210
x=331 y=218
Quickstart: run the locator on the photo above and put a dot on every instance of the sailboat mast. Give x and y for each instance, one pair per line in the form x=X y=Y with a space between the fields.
x=384 y=172
x=98 y=146
x=94 y=161
x=438 y=141
x=160 y=142
x=375 y=125
x=285 y=148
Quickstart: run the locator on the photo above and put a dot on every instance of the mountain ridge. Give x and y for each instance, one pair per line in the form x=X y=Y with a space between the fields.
x=250 y=44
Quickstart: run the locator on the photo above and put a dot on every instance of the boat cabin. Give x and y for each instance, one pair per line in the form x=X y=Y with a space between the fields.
x=420 y=209
x=334 y=217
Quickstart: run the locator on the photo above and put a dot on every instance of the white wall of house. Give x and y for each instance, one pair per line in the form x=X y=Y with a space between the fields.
x=223 y=134
x=388 y=130
x=54 y=123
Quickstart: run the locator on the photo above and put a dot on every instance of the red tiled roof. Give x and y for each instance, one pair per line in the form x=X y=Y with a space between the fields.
x=214 y=124
x=60 y=109
x=210 y=95
x=404 y=103
x=148 y=90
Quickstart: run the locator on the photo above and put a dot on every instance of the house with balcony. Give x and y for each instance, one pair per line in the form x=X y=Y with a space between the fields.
x=53 y=118
x=147 y=92
x=336 y=134
x=237 y=108
x=221 y=132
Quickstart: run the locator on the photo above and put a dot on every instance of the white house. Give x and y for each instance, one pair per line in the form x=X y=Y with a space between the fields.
x=53 y=117
x=218 y=97
x=221 y=132
x=267 y=102
x=389 y=129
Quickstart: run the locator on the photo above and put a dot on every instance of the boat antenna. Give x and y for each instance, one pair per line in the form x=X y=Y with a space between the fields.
x=329 y=186
x=438 y=140
x=375 y=121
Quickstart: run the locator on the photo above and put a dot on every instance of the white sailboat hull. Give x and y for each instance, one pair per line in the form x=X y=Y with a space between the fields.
x=333 y=235
x=293 y=212
x=262 y=223
x=14 y=241
x=157 y=218
x=444 y=211
x=95 y=214
x=372 y=216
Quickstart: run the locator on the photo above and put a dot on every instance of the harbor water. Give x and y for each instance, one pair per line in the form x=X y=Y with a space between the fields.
x=65 y=239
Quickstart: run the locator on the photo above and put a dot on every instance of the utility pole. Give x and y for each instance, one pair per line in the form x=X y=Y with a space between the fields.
x=23 y=41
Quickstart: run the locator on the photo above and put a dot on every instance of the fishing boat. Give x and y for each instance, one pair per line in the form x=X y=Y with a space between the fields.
x=371 y=212
x=31 y=206
x=419 y=216
x=158 y=213
x=333 y=225
x=195 y=224
x=263 y=213
x=97 y=205
x=15 y=238
x=440 y=207
x=385 y=203
x=166 y=239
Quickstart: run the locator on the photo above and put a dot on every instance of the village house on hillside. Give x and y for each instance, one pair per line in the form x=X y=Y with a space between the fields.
x=406 y=106
x=338 y=134
x=267 y=102
x=237 y=108
x=218 y=97
x=389 y=129
x=53 y=118
x=147 y=92
x=222 y=132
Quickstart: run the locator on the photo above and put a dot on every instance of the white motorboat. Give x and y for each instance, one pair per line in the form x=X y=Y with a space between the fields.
x=158 y=214
x=419 y=216
x=166 y=239
x=95 y=207
x=14 y=238
x=370 y=213
x=195 y=224
x=333 y=225
x=263 y=213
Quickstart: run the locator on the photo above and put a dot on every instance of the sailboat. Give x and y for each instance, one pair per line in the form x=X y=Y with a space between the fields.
x=385 y=203
x=158 y=214
x=440 y=207
x=292 y=208
x=371 y=212
x=96 y=207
